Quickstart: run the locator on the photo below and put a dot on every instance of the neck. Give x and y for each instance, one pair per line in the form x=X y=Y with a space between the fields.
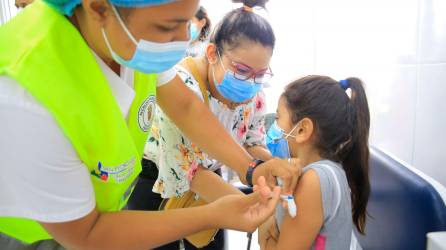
x=92 y=34
x=308 y=156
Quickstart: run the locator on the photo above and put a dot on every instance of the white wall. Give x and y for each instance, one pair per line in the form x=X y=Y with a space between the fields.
x=397 y=47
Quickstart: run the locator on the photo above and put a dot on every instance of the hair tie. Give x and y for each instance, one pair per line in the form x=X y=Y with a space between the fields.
x=344 y=84
x=247 y=8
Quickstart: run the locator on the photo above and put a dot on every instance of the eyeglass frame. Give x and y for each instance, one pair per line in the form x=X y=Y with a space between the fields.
x=252 y=73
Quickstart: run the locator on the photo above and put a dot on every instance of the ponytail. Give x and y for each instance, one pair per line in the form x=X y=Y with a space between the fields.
x=356 y=161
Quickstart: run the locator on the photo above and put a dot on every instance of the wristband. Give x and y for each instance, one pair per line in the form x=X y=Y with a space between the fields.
x=250 y=171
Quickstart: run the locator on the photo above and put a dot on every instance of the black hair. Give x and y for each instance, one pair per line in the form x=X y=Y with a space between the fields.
x=342 y=129
x=242 y=24
x=200 y=15
x=252 y=3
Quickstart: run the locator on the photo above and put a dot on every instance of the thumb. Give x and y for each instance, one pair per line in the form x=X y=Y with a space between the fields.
x=275 y=197
x=251 y=199
x=262 y=194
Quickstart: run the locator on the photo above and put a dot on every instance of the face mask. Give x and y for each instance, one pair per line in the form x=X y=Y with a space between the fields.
x=276 y=141
x=234 y=89
x=149 y=57
x=193 y=32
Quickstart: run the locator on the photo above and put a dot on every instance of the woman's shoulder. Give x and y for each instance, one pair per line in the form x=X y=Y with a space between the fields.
x=184 y=72
x=188 y=79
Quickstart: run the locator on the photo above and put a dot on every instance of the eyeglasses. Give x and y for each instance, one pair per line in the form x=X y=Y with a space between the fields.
x=244 y=72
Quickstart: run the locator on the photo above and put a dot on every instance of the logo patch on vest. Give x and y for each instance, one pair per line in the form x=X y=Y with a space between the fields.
x=119 y=173
x=146 y=112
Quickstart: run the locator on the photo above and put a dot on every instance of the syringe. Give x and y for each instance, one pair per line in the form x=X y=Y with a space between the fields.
x=292 y=208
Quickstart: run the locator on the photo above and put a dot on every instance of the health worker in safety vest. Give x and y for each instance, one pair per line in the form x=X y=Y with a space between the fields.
x=78 y=86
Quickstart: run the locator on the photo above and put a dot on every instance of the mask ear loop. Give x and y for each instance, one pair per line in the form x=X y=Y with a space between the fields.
x=124 y=26
x=290 y=133
x=213 y=75
x=221 y=61
x=292 y=136
x=106 y=41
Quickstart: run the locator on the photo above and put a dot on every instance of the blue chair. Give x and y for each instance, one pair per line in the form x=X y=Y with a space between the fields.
x=403 y=206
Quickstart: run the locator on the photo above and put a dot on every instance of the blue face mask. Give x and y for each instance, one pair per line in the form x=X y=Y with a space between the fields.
x=277 y=143
x=193 y=32
x=234 y=89
x=149 y=57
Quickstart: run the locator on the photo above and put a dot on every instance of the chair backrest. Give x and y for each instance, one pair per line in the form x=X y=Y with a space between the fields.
x=403 y=206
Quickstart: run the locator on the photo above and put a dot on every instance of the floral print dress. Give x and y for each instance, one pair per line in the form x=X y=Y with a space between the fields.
x=178 y=158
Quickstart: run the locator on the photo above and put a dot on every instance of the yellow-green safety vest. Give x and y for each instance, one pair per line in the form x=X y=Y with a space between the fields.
x=42 y=51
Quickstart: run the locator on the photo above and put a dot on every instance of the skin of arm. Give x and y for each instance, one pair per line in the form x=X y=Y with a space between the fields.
x=149 y=229
x=259 y=152
x=200 y=125
x=128 y=229
x=204 y=179
x=301 y=231
x=136 y=230
x=268 y=230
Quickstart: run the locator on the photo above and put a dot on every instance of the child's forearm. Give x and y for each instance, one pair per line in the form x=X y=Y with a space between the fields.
x=270 y=244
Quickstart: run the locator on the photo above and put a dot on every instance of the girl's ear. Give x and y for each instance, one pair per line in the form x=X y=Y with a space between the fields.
x=304 y=130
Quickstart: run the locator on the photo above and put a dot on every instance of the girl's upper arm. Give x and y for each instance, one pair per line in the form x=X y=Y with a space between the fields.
x=301 y=231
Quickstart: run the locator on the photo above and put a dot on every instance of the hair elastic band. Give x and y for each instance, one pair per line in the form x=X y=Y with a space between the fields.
x=248 y=9
x=344 y=84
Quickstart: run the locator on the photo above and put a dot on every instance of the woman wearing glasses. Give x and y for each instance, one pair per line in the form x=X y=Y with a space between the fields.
x=229 y=78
